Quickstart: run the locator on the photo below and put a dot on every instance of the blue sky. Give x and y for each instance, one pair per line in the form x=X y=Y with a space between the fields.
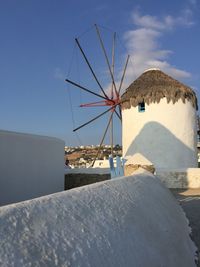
x=37 y=44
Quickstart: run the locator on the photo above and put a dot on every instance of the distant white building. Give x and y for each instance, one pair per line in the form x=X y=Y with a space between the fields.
x=103 y=163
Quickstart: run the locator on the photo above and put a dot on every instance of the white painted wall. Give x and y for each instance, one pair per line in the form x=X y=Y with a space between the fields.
x=129 y=221
x=103 y=163
x=30 y=166
x=165 y=134
x=181 y=178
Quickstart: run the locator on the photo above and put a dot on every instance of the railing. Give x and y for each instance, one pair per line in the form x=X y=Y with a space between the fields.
x=119 y=169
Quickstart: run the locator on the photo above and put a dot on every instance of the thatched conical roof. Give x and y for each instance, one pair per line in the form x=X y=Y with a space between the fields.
x=152 y=86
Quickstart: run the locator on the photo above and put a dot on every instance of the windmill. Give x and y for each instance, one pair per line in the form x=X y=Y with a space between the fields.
x=111 y=100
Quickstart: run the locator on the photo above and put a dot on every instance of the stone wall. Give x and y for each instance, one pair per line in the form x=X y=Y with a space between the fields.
x=73 y=180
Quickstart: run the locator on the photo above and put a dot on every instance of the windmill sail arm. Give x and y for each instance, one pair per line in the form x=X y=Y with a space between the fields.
x=95 y=118
x=106 y=57
x=84 y=89
x=104 y=135
x=118 y=115
x=90 y=67
x=123 y=75
x=102 y=103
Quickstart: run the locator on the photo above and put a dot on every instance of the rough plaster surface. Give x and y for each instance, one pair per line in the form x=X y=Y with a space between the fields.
x=180 y=178
x=128 y=221
x=30 y=166
x=165 y=134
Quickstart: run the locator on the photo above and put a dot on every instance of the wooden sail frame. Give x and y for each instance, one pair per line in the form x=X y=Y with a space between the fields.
x=113 y=101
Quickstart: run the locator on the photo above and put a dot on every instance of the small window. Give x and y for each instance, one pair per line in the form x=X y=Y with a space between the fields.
x=141 y=107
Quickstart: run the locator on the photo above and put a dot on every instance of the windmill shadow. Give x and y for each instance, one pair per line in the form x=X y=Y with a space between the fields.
x=156 y=143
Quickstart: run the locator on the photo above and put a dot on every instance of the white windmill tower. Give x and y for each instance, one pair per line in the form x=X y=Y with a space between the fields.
x=159 y=122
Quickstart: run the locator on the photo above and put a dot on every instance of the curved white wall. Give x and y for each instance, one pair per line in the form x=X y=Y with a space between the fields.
x=30 y=166
x=165 y=134
x=125 y=222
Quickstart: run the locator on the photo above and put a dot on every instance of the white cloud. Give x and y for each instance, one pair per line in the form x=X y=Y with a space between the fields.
x=165 y=23
x=143 y=44
x=147 y=21
x=193 y=2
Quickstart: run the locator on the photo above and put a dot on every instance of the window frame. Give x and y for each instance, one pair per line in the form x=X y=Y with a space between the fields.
x=141 y=107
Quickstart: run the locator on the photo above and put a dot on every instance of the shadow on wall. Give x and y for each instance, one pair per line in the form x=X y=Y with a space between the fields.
x=157 y=144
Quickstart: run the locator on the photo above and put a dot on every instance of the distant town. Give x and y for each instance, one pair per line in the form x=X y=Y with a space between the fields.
x=83 y=156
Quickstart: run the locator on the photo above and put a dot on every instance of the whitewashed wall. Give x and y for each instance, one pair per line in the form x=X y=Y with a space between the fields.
x=128 y=221
x=30 y=166
x=180 y=178
x=165 y=134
